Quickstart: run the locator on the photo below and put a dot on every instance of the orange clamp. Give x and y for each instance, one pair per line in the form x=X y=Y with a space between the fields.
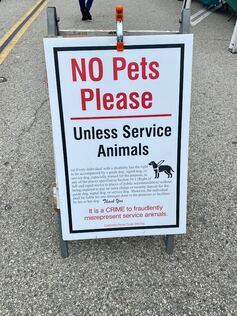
x=119 y=21
x=119 y=13
x=120 y=46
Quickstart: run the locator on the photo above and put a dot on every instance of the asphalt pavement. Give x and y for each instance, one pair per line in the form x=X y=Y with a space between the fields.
x=123 y=276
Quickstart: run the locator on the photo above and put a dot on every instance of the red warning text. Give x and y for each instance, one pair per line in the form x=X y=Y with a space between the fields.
x=93 y=70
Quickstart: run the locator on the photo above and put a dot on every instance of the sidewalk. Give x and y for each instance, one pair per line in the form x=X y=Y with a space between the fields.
x=126 y=276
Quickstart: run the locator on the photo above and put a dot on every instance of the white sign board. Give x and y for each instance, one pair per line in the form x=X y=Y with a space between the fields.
x=120 y=130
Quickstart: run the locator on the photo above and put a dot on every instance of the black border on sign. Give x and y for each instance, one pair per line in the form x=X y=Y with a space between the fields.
x=94 y=48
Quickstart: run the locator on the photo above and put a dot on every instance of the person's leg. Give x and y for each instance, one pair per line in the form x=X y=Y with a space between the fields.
x=82 y=5
x=89 y=4
x=87 y=9
x=83 y=10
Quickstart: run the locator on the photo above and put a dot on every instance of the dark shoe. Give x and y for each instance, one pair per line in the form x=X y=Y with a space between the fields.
x=84 y=17
x=87 y=13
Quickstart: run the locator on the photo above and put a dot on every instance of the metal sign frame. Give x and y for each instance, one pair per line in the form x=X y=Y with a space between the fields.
x=54 y=31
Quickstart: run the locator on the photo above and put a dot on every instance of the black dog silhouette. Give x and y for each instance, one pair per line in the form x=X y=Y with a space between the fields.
x=158 y=168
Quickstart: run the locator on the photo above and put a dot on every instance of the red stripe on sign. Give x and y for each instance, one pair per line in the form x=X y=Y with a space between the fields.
x=117 y=117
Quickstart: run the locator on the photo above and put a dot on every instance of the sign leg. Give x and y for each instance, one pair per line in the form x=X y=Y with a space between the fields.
x=185 y=18
x=52 y=21
x=169 y=244
x=63 y=244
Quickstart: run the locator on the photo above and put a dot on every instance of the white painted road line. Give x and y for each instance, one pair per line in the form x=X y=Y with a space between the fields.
x=205 y=15
x=195 y=15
